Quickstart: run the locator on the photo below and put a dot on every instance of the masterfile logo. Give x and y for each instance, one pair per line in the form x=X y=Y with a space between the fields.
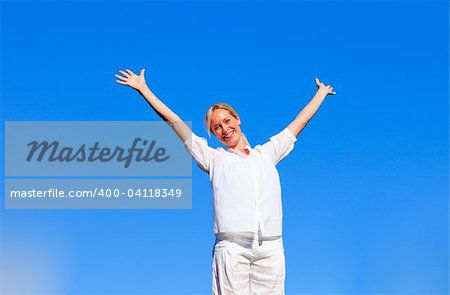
x=53 y=152
x=94 y=149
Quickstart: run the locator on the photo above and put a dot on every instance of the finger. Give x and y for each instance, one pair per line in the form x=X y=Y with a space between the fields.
x=121 y=78
x=121 y=82
x=129 y=72
x=333 y=92
x=331 y=88
x=142 y=72
x=328 y=86
x=317 y=81
x=124 y=73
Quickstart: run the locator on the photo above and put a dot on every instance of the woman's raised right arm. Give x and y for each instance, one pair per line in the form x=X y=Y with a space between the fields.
x=138 y=83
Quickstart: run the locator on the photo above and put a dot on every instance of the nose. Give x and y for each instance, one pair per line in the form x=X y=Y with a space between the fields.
x=224 y=128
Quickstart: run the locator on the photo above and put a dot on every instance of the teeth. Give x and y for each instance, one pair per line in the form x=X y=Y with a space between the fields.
x=228 y=135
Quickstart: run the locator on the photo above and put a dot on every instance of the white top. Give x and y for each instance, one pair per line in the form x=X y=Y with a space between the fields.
x=246 y=189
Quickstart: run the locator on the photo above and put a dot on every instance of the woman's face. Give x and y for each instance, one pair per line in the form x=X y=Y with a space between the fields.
x=226 y=127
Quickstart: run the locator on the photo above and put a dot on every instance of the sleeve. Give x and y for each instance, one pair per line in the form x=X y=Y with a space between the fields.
x=200 y=151
x=279 y=145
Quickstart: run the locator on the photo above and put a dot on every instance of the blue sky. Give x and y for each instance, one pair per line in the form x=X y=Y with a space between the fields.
x=365 y=190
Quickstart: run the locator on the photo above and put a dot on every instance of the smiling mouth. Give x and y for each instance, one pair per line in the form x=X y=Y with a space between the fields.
x=228 y=135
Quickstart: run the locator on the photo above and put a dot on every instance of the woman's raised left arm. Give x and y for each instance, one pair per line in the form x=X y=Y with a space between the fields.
x=302 y=119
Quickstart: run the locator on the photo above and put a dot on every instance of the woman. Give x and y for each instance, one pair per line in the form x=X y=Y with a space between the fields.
x=248 y=256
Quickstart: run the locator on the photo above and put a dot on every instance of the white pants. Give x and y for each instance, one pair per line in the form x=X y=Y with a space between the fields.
x=255 y=269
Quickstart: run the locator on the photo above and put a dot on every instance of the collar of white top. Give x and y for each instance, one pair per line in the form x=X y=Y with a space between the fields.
x=239 y=153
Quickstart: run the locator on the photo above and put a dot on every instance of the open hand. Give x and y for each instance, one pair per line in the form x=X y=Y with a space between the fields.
x=328 y=89
x=131 y=79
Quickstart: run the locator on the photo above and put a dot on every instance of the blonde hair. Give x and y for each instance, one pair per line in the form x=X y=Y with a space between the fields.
x=221 y=106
